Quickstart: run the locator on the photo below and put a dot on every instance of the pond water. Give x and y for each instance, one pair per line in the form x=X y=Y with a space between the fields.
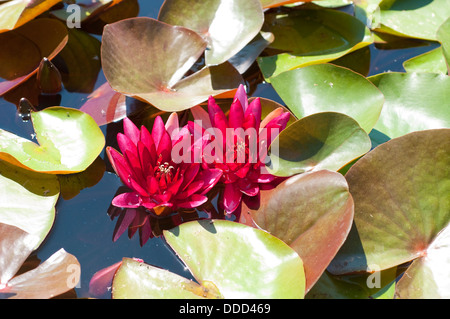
x=83 y=226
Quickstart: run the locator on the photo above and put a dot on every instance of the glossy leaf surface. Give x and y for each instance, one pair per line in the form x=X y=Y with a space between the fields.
x=163 y=54
x=311 y=212
x=226 y=25
x=402 y=210
x=319 y=141
x=413 y=102
x=69 y=141
x=311 y=37
x=252 y=263
x=330 y=88
x=28 y=200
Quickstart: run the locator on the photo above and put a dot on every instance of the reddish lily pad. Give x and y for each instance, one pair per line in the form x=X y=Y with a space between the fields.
x=227 y=25
x=22 y=50
x=162 y=55
x=402 y=212
x=69 y=141
x=311 y=212
x=252 y=263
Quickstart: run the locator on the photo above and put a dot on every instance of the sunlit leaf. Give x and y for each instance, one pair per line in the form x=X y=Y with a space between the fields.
x=162 y=55
x=432 y=61
x=69 y=141
x=252 y=263
x=319 y=141
x=58 y=274
x=27 y=200
x=418 y=19
x=311 y=212
x=329 y=88
x=413 y=102
x=443 y=36
x=402 y=212
x=311 y=37
x=227 y=25
x=276 y=3
x=16 y=13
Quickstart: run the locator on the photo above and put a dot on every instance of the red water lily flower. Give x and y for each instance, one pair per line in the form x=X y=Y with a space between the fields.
x=157 y=181
x=241 y=153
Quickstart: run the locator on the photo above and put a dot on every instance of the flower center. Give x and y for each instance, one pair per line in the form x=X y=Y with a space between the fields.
x=164 y=171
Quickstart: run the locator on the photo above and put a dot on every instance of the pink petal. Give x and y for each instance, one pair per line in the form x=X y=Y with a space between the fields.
x=236 y=116
x=241 y=95
x=195 y=201
x=255 y=109
x=200 y=114
x=127 y=200
x=102 y=279
x=124 y=221
x=165 y=148
x=191 y=189
x=131 y=130
x=119 y=165
x=158 y=130
x=147 y=140
x=211 y=177
x=275 y=113
x=175 y=186
x=172 y=124
x=248 y=188
x=189 y=174
x=231 y=197
x=125 y=143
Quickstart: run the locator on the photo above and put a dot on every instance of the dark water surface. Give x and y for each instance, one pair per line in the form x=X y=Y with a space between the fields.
x=83 y=227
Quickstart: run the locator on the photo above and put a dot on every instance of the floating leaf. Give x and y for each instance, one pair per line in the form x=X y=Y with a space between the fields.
x=276 y=3
x=69 y=141
x=162 y=54
x=227 y=25
x=443 y=36
x=252 y=263
x=330 y=88
x=325 y=140
x=311 y=212
x=402 y=212
x=413 y=102
x=58 y=274
x=22 y=49
x=416 y=19
x=432 y=61
x=27 y=200
x=311 y=37
x=16 y=13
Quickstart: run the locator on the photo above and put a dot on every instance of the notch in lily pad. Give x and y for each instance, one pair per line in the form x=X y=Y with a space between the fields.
x=227 y=259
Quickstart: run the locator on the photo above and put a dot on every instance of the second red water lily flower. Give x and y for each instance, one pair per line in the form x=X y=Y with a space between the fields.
x=157 y=181
x=238 y=144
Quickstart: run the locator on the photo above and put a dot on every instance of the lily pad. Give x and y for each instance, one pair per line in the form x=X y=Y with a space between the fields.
x=162 y=55
x=28 y=200
x=227 y=25
x=69 y=141
x=311 y=212
x=432 y=61
x=16 y=13
x=22 y=50
x=402 y=211
x=413 y=102
x=330 y=88
x=319 y=141
x=228 y=260
x=417 y=19
x=443 y=36
x=311 y=37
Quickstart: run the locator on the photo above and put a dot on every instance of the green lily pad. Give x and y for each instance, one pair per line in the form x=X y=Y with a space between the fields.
x=311 y=37
x=319 y=141
x=330 y=88
x=227 y=259
x=402 y=211
x=28 y=200
x=311 y=212
x=443 y=36
x=162 y=55
x=227 y=25
x=413 y=102
x=417 y=19
x=432 y=61
x=69 y=141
